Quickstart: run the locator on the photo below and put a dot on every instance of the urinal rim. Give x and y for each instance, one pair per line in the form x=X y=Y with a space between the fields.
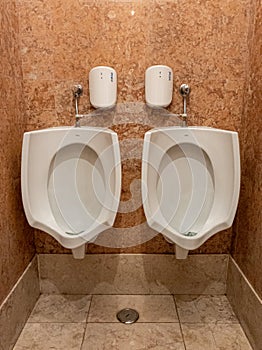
x=192 y=242
x=56 y=232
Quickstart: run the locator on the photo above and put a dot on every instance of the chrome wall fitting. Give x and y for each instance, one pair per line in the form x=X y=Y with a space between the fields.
x=77 y=92
x=184 y=92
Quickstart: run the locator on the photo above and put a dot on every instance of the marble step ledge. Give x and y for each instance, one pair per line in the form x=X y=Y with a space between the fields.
x=133 y=274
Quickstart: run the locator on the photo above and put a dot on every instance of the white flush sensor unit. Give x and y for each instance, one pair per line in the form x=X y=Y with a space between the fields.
x=103 y=87
x=159 y=86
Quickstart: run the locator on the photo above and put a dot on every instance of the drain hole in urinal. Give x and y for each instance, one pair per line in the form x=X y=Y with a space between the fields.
x=74 y=233
x=190 y=234
x=127 y=316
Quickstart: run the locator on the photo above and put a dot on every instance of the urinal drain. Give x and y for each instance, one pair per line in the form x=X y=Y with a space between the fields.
x=74 y=233
x=127 y=316
x=190 y=234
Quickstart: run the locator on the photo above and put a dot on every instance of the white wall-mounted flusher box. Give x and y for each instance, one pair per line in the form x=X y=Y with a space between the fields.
x=158 y=86
x=103 y=87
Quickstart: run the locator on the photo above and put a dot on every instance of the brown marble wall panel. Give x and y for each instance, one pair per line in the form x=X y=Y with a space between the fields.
x=247 y=247
x=205 y=42
x=16 y=238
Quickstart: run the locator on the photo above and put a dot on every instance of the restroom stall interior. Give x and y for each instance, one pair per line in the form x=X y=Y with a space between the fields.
x=49 y=46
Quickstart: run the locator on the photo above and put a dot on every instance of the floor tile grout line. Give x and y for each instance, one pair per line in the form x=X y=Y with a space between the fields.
x=180 y=325
x=212 y=335
x=90 y=305
x=86 y=322
x=56 y=322
x=28 y=318
x=130 y=325
x=127 y=294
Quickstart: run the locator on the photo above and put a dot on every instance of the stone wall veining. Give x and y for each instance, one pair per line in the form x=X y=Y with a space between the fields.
x=205 y=42
x=16 y=238
x=247 y=247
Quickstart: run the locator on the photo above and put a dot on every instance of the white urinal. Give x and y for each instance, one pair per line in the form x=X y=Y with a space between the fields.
x=191 y=182
x=71 y=182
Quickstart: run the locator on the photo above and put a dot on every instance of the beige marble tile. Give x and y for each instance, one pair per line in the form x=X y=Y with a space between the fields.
x=132 y=274
x=198 y=337
x=136 y=336
x=246 y=304
x=18 y=305
x=204 y=309
x=229 y=336
x=151 y=308
x=61 y=308
x=202 y=336
x=55 y=336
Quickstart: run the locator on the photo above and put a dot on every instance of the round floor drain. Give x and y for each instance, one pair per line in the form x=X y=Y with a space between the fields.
x=127 y=316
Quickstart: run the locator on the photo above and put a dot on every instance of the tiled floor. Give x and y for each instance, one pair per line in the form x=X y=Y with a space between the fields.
x=180 y=322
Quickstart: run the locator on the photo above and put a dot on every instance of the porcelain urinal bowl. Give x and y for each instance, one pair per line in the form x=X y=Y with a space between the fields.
x=191 y=182
x=71 y=182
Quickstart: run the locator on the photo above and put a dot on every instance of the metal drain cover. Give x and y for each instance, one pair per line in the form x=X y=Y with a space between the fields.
x=127 y=316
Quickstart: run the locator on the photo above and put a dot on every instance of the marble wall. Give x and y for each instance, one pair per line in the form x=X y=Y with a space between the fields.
x=247 y=247
x=205 y=42
x=16 y=239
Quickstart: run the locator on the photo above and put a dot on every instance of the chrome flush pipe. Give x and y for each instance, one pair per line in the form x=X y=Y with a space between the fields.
x=184 y=92
x=77 y=92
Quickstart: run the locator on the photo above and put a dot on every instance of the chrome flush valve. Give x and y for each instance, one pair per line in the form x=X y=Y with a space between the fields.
x=184 y=92
x=77 y=92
